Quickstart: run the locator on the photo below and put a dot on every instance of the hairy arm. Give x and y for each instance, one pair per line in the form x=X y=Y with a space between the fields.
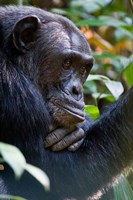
x=109 y=142
x=105 y=152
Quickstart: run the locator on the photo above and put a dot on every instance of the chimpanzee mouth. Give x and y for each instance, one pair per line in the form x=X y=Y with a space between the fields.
x=77 y=113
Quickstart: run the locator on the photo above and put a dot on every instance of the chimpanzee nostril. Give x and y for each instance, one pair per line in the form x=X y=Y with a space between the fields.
x=76 y=92
x=74 y=88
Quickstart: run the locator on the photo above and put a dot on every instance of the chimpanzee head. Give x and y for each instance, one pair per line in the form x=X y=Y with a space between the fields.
x=54 y=54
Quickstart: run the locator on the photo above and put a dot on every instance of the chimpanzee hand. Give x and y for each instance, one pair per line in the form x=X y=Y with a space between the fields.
x=61 y=138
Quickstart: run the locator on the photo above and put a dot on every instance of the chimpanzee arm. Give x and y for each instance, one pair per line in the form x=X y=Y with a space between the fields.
x=109 y=142
x=107 y=149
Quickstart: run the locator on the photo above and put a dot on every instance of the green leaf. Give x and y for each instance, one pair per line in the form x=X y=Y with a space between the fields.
x=128 y=69
x=97 y=77
x=89 y=5
x=122 y=32
x=123 y=190
x=90 y=87
x=93 y=111
x=17 y=162
x=2 y=196
x=106 y=55
x=107 y=97
x=13 y=156
x=129 y=74
x=39 y=175
x=126 y=62
x=59 y=11
x=102 y=21
x=115 y=87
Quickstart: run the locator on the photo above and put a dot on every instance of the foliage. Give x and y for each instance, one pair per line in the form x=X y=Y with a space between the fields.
x=17 y=162
x=11 y=197
x=123 y=190
x=93 y=111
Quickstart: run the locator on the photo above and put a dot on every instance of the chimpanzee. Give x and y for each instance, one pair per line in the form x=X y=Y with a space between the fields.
x=44 y=61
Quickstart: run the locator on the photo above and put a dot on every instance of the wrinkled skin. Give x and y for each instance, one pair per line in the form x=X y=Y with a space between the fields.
x=62 y=86
x=62 y=138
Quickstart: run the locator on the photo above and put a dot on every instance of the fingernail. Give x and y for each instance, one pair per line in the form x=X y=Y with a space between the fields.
x=71 y=148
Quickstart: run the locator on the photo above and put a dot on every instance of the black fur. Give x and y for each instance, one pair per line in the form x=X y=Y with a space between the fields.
x=107 y=148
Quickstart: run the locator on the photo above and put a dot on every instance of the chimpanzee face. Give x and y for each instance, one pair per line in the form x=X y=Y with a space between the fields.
x=64 y=62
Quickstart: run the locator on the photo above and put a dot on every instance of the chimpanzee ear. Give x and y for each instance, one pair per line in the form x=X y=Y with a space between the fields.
x=25 y=32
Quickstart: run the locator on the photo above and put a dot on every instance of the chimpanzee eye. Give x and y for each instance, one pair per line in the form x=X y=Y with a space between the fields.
x=67 y=64
x=83 y=70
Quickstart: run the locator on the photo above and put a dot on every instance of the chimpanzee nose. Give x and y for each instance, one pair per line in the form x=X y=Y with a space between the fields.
x=76 y=92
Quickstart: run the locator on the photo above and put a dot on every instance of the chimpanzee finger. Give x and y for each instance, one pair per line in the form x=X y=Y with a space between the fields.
x=52 y=127
x=55 y=136
x=69 y=139
x=76 y=146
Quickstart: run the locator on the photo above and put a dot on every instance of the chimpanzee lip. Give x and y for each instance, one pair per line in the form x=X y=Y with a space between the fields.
x=76 y=112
